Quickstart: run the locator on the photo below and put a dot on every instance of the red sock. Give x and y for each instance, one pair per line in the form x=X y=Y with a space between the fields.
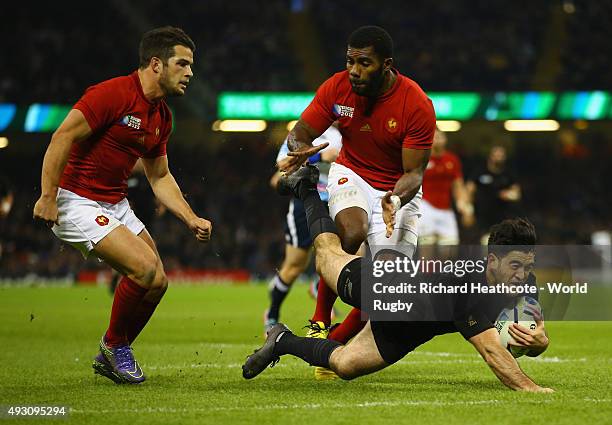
x=128 y=297
x=325 y=303
x=350 y=327
x=140 y=318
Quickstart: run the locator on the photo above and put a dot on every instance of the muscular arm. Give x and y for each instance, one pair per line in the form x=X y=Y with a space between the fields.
x=462 y=201
x=73 y=129
x=166 y=189
x=501 y=362
x=470 y=189
x=460 y=192
x=414 y=162
x=301 y=136
x=169 y=194
x=299 y=141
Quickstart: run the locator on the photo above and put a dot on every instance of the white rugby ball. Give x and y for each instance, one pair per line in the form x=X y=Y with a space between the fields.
x=524 y=311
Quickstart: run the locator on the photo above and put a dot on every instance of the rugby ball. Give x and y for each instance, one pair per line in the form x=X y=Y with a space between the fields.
x=524 y=311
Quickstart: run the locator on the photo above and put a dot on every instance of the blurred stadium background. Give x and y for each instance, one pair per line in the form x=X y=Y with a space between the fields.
x=482 y=62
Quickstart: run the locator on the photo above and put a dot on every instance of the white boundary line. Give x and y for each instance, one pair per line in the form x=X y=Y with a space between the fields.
x=310 y=406
x=454 y=359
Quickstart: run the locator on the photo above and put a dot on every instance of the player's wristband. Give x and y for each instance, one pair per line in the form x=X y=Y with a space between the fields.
x=396 y=201
x=315 y=158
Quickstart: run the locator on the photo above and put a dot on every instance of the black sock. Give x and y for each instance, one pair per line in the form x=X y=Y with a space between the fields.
x=317 y=215
x=278 y=292
x=315 y=351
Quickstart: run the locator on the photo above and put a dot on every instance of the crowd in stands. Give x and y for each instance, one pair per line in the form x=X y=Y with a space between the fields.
x=57 y=50
x=446 y=45
x=586 y=56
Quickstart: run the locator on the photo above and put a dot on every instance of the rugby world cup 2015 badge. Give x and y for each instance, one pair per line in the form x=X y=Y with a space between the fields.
x=343 y=111
x=131 y=121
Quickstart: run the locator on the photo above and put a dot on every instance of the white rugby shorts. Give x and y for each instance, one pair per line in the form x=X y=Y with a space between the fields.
x=437 y=226
x=83 y=222
x=347 y=189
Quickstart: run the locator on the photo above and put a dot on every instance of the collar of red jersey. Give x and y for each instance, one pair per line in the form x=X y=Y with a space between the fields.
x=134 y=75
x=394 y=87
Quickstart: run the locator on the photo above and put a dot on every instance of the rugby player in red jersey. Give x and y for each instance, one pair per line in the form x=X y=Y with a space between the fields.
x=443 y=182
x=387 y=124
x=84 y=186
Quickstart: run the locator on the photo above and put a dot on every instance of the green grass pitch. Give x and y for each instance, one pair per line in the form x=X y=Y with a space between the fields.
x=193 y=348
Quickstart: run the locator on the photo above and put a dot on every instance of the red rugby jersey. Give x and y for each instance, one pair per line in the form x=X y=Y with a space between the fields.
x=126 y=126
x=403 y=117
x=439 y=175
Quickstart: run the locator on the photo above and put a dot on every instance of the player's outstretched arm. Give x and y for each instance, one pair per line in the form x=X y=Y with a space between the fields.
x=169 y=194
x=503 y=364
x=74 y=128
x=299 y=141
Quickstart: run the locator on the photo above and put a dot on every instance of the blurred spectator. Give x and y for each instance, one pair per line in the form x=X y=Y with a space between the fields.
x=495 y=191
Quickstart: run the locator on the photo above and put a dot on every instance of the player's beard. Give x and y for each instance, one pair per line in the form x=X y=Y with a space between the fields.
x=166 y=85
x=372 y=88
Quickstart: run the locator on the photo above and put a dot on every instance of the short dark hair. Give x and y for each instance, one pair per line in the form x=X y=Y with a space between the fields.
x=513 y=234
x=160 y=42
x=371 y=35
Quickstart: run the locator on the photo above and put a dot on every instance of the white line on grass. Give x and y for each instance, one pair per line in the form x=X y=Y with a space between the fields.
x=404 y=362
x=371 y=404
x=542 y=359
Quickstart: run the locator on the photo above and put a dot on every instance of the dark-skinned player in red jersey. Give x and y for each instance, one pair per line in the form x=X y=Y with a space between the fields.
x=84 y=186
x=387 y=124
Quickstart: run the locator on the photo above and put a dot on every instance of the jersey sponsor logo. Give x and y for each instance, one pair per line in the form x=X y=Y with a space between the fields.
x=391 y=124
x=365 y=127
x=342 y=180
x=157 y=131
x=343 y=111
x=102 y=220
x=131 y=121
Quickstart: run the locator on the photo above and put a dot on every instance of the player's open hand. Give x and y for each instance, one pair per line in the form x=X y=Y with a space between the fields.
x=45 y=210
x=201 y=228
x=389 y=210
x=297 y=158
x=536 y=340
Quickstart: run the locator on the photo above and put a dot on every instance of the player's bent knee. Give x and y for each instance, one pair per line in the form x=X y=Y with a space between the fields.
x=346 y=373
x=352 y=238
x=292 y=271
x=342 y=365
x=161 y=281
x=146 y=270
